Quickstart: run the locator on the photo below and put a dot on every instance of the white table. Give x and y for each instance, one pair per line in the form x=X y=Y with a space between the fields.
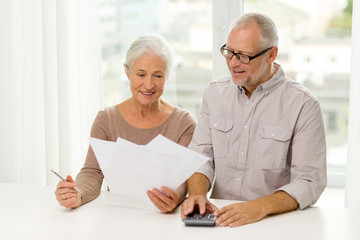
x=31 y=212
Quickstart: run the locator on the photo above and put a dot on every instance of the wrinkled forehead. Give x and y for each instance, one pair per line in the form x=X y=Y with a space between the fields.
x=244 y=38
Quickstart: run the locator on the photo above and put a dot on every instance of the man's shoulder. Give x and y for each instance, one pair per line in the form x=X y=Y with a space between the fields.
x=295 y=88
x=220 y=91
x=222 y=81
x=221 y=84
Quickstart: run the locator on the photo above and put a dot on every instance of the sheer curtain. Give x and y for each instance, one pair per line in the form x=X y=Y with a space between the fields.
x=50 y=86
x=352 y=194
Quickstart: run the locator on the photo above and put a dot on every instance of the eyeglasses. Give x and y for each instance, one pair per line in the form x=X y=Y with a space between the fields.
x=228 y=54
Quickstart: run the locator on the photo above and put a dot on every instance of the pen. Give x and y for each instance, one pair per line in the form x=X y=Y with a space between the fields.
x=64 y=179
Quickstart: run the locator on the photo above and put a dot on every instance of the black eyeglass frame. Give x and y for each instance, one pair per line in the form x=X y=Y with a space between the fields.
x=237 y=55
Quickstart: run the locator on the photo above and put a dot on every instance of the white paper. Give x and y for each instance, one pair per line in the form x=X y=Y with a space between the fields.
x=131 y=169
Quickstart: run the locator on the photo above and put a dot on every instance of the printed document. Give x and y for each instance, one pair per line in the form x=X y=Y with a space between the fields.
x=130 y=169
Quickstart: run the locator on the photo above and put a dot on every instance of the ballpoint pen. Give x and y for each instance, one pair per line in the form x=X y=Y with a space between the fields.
x=64 y=179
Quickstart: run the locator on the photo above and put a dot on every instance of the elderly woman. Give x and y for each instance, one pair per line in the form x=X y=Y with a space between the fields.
x=139 y=119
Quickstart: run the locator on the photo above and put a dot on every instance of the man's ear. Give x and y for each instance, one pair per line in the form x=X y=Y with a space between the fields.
x=273 y=54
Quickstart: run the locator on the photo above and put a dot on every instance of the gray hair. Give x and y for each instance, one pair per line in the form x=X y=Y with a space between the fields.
x=155 y=44
x=268 y=32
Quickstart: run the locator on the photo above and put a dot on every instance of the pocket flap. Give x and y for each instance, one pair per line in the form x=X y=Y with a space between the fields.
x=221 y=124
x=277 y=133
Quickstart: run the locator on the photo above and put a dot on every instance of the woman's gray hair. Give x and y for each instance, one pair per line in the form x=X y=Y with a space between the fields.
x=268 y=31
x=155 y=44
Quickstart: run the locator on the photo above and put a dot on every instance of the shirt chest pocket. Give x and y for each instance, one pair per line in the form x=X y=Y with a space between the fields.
x=273 y=145
x=220 y=134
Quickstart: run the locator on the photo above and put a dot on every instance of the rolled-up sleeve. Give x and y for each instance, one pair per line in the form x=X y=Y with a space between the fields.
x=308 y=154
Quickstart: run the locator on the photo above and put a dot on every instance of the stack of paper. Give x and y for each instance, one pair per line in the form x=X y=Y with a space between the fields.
x=132 y=169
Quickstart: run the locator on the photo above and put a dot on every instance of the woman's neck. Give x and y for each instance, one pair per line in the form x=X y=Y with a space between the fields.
x=141 y=116
x=145 y=110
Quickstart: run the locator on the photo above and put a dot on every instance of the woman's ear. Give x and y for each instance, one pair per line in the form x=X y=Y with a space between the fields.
x=126 y=67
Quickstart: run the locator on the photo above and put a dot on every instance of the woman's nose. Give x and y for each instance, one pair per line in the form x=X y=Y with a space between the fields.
x=148 y=83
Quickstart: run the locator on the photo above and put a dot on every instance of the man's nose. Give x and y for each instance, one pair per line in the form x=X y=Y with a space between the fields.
x=234 y=62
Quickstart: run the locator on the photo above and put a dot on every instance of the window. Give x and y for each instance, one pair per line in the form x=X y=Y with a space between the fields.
x=331 y=121
x=314 y=49
x=186 y=24
x=333 y=59
x=315 y=37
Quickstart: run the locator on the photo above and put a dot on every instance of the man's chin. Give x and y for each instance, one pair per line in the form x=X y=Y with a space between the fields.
x=237 y=82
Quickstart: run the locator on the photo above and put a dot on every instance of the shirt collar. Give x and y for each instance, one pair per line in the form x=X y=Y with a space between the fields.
x=269 y=85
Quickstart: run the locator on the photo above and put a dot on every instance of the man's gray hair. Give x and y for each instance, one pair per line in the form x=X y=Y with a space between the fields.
x=268 y=32
x=154 y=44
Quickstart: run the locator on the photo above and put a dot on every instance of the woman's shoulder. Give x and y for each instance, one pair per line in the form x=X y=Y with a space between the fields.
x=107 y=124
x=182 y=116
x=108 y=114
x=181 y=126
x=111 y=110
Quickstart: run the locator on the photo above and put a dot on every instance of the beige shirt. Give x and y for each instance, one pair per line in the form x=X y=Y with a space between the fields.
x=109 y=124
x=273 y=141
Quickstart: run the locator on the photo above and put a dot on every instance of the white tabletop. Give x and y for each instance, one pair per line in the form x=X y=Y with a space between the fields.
x=31 y=212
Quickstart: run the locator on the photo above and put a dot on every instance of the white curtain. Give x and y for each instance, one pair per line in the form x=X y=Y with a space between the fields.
x=50 y=86
x=352 y=193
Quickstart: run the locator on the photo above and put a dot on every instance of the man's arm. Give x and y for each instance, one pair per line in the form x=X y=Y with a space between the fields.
x=198 y=186
x=278 y=202
x=308 y=151
x=238 y=214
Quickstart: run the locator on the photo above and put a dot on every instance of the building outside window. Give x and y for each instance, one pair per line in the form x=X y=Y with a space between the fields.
x=311 y=32
x=314 y=49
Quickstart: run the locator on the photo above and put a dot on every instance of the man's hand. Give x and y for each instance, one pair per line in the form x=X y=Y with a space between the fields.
x=198 y=185
x=238 y=214
x=242 y=213
x=199 y=201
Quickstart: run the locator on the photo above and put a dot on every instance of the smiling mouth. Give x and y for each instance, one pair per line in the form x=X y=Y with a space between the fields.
x=238 y=72
x=147 y=93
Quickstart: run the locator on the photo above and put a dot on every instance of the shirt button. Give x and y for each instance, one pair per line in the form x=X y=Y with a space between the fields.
x=215 y=124
x=246 y=126
x=242 y=153
x=247 y=102
x=273 y=134
x=237 y=179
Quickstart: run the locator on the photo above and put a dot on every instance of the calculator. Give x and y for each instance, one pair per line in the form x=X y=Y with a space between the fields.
x=197 y=219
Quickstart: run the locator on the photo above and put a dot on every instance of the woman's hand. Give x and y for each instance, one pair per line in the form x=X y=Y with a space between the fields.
x=66 y=195
x=165 y=200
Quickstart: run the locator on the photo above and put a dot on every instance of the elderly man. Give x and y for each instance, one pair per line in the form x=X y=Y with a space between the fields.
x=263 y=133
